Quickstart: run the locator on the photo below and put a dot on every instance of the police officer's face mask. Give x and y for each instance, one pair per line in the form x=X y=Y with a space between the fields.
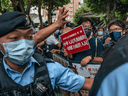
x=19 y=52
x=88 y=32
x=115 y=36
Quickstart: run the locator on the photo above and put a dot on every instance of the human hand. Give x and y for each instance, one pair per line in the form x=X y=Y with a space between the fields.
x=65 y=52
x=107 y=40
x=53 y=50
x=61 y=17
x=85 y=60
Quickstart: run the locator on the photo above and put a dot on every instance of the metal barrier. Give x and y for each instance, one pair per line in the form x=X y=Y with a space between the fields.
x=88 y=71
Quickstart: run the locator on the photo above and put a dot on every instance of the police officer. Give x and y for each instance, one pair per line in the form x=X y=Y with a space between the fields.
x=24 y=72
x=116 y=29
x=112 y=78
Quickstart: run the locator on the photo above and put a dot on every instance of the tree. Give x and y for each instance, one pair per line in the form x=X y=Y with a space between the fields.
x=19 y=5
x=39 y=11
x=52 y=5
x=25 y=5
x=5 y=5
x=112 y=8
x=81 y=10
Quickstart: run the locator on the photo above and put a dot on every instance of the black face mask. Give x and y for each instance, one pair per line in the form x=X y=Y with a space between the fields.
x=88 y=32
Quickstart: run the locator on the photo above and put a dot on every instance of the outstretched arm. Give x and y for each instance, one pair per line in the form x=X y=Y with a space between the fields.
x=87 y=59
x=87 y=84
x=44 y=33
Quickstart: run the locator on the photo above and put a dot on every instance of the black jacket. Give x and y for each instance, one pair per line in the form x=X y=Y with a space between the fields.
x=40 y=87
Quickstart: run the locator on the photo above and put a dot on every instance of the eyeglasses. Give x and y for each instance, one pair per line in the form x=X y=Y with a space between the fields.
x=87 y=26
x=116 y=29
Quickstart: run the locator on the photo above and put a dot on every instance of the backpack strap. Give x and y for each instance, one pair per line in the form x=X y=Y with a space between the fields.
x=96 y=47
x=42 y=74
x=117 y=56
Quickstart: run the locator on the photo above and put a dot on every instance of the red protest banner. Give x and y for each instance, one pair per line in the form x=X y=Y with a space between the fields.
x=75 y=40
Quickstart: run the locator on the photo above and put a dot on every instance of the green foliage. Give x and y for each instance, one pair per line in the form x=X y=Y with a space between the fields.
x=5 y=4
x=100 y=6
x=81 y=10
x=54 y=4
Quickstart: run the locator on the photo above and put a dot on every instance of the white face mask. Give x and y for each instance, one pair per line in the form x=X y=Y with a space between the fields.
x=100 y=33
x=19 y=52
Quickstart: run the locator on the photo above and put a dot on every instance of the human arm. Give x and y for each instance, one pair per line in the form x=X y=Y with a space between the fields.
x=107 y=40
x=55 y=50
x=41 y=43
x=85 y=60
x=59 y=44
x=66 y=54
x=97 y=60
x=66 y=79
x=87 y=84
x=44 y=33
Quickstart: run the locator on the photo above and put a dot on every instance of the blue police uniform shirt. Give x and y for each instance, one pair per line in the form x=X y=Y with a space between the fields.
x=115 y=83
x=65 y=78
x=80 y=55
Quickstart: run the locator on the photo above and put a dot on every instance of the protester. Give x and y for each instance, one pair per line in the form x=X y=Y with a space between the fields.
x=116 y=29
x=53 y=45
x=93 y=54
x=101 y=35
x=58 y=32
x=52 y=42
x=25 y=73
x=66 y=29
x=112 y=78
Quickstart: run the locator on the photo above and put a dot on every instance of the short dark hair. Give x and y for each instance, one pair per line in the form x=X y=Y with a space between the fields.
x=85 y=20
x=69 y=24
x=118 y=23
x=100 y=28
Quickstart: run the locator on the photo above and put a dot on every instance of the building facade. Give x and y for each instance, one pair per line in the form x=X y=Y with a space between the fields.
x=72 y=6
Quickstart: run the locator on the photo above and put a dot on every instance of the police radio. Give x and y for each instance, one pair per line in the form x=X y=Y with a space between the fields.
x=40 y=89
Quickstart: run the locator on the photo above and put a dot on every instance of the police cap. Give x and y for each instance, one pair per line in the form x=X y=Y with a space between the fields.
x=13 y=20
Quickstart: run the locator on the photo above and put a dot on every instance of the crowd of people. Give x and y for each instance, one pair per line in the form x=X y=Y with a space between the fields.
x=27 y=67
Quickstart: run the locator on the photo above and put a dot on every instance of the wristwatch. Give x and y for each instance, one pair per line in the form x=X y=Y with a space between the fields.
x=92 y=58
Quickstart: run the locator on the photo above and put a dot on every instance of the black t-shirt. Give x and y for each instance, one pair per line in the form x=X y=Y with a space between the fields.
x=80 y=55
x=1 y=55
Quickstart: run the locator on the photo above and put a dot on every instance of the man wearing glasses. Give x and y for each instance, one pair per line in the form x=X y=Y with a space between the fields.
x=116 y=29
x=89 y=55
x=112 y=79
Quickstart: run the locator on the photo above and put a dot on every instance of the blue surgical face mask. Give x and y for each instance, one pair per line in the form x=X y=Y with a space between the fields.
x=19 y=52
x=100 y=33
x=115 y=36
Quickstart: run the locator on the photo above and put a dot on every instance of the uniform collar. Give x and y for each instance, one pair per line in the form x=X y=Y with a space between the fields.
x=31 y=62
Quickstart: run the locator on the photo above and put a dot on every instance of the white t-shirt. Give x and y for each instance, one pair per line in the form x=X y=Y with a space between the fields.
x=52 y=40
